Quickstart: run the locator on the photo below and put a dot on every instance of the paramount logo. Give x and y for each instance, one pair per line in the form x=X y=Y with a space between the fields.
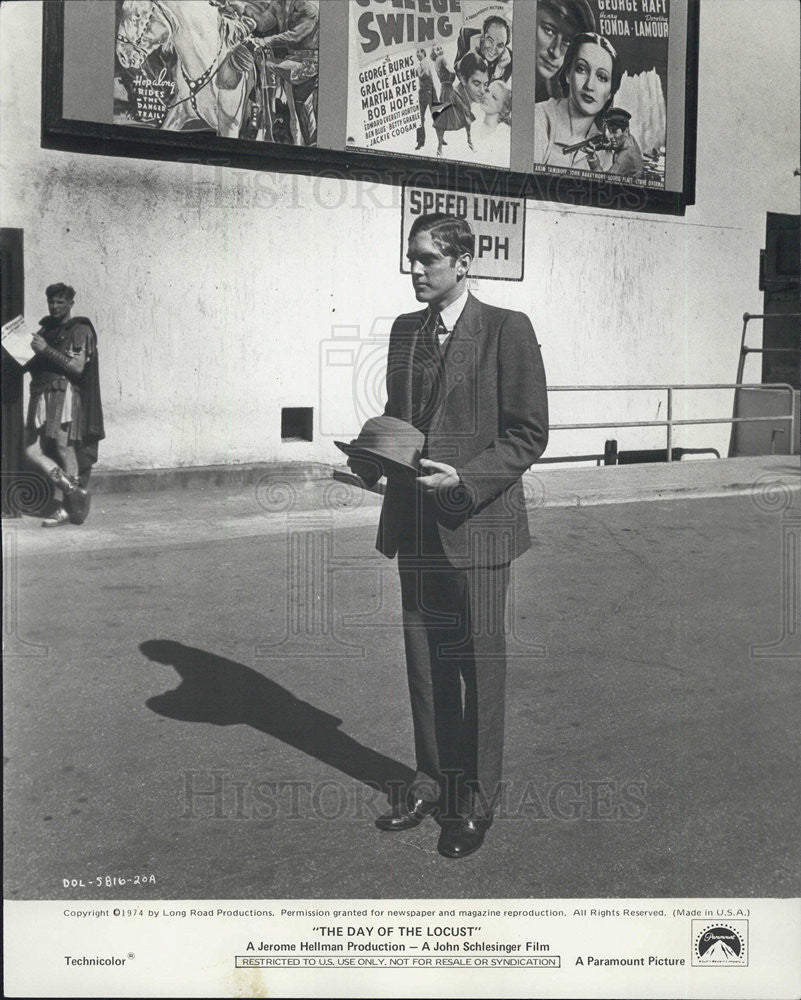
x=719 y=951
x=720 y=944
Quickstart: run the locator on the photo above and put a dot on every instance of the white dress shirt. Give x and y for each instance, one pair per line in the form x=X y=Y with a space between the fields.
x=449 y=315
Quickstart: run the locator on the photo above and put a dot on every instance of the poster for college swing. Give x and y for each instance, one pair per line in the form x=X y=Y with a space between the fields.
x=236 y=69
x=602 y=90
x=432 y=78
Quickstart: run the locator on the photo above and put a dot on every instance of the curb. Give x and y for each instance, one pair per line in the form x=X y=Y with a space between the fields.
x=214 y=476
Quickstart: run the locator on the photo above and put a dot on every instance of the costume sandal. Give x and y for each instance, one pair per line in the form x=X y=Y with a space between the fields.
x=76 y=498
x=78 y=501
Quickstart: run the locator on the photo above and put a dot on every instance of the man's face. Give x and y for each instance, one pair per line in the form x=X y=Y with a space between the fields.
x=616 y=135
x=476 y=86
x=434 y=275
x=493 y=42
x=59 y=307
x=553 y=37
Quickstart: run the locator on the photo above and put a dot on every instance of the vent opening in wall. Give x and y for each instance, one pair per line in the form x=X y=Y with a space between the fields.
x=296 y=423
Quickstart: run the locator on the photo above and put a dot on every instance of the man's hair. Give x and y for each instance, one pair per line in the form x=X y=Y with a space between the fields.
x=60 y=291
x=470 y=63
x=495 y=19
x=451 y=236
x=577 y=13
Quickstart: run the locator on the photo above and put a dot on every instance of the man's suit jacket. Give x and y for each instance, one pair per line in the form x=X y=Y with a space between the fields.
x=489 y=421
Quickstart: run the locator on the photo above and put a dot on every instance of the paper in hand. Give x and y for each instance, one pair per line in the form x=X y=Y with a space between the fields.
x=16 y=338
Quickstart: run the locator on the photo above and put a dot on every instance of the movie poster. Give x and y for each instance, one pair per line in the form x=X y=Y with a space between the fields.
x=240 y=69
x=432 y=78
x=601 y=89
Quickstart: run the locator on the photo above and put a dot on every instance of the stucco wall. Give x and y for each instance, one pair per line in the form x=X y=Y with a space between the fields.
x=215 y=291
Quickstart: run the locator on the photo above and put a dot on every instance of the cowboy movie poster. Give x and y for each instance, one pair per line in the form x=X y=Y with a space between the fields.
x=431 y=78
x=240 y=69
x=601 y=89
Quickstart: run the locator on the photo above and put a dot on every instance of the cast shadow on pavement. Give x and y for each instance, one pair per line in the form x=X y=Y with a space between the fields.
x=226 y=693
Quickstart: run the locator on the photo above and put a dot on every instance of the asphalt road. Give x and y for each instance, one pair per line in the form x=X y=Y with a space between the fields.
x=648 y=752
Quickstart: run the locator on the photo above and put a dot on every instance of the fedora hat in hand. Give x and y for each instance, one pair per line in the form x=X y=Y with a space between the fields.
x=394 y=445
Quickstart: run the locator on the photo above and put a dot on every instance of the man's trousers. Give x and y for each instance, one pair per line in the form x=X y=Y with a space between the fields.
x=426 y=100
x=453 y=624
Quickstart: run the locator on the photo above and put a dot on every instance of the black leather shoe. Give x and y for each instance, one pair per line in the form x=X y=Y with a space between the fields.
x=406 y=815
x=463 y=836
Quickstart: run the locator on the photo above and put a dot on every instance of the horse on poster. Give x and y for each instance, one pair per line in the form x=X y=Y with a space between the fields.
x=191 y=29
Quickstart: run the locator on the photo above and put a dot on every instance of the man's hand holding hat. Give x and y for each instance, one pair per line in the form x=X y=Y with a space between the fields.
x=385 y=446
x=369 y=472
x=439 y=476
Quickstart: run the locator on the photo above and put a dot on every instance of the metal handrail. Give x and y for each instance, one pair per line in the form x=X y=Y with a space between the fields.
x=670 y=423
x=745 y=351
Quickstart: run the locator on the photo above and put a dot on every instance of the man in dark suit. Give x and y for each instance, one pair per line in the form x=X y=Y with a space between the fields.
x=470 y=377
x=427 y=94
x=491 y=42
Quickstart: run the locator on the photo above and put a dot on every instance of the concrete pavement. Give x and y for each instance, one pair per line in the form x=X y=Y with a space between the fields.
x=207 y=691
x=148 y=509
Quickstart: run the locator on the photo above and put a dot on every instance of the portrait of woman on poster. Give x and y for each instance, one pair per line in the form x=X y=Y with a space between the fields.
x=589 y=80
x=557 y=22
x=454 y=112
x=493 y=135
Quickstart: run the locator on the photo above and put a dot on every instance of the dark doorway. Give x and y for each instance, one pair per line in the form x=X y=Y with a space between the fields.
x=12 y=279
x=779 y=281
x=12 y=303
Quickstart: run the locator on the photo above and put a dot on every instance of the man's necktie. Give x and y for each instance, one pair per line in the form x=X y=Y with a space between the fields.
x=426 y=384
x=437 y=329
